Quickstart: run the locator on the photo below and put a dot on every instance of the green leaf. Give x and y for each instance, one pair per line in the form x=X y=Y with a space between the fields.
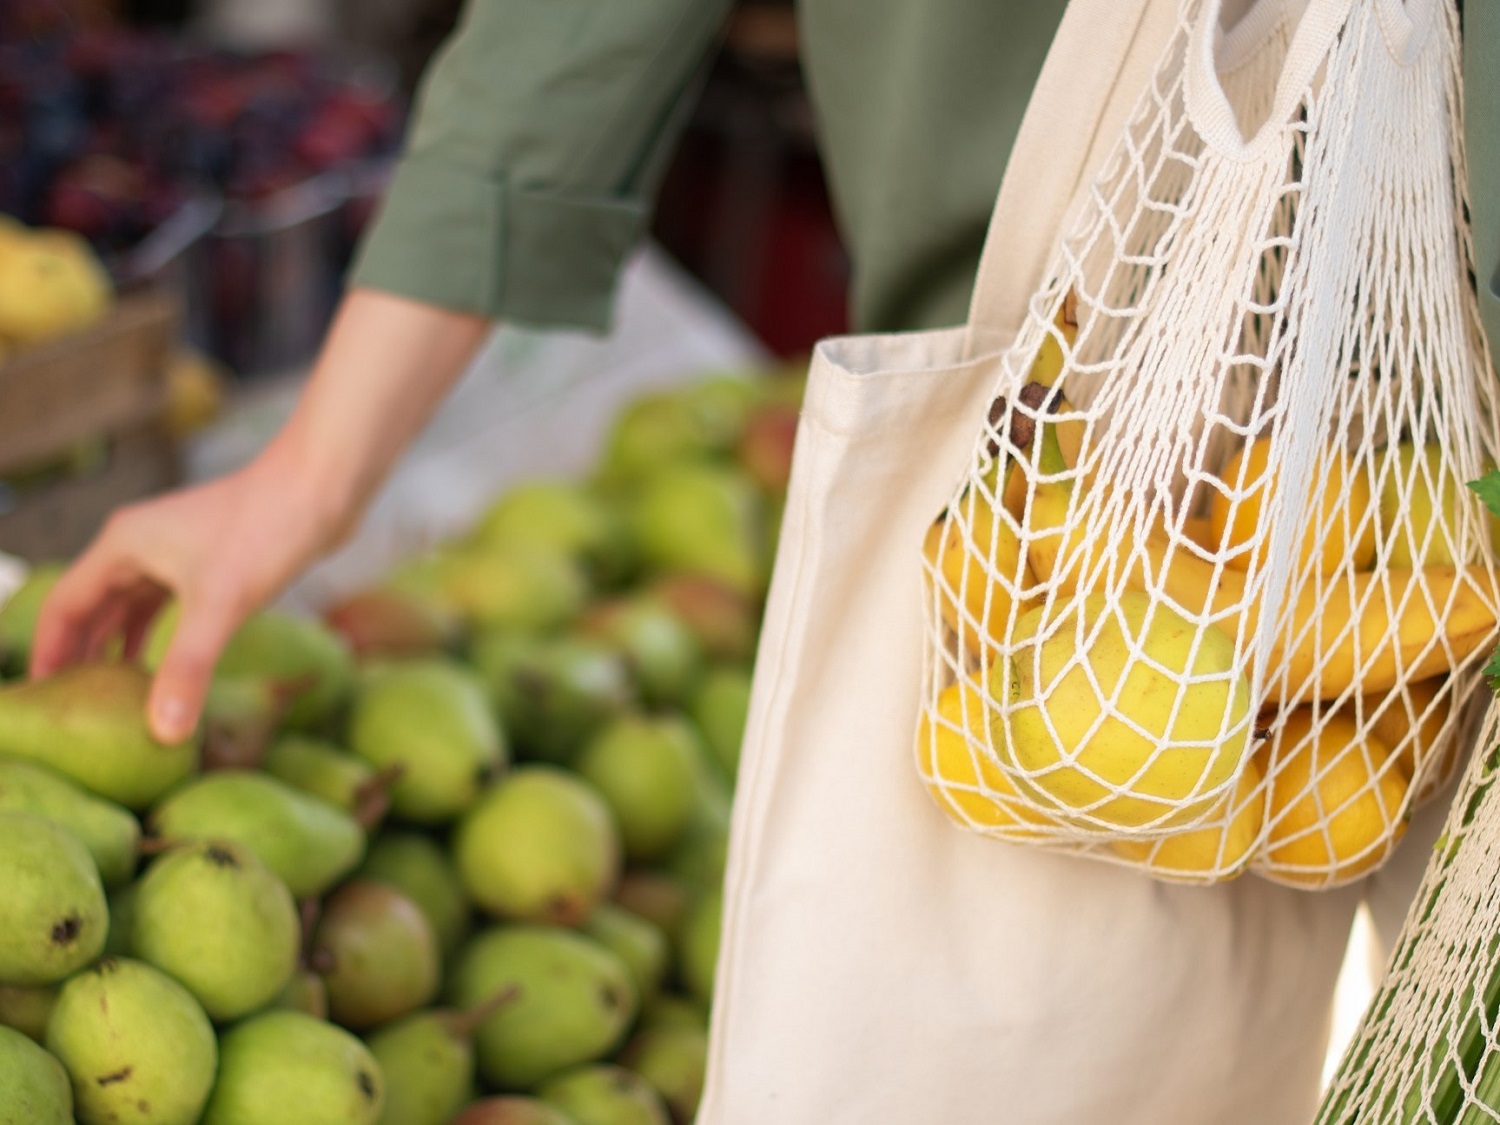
x=1492 y=671
x=1488 y=489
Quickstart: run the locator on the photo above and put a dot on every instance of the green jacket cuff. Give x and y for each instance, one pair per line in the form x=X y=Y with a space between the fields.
x=469 y=240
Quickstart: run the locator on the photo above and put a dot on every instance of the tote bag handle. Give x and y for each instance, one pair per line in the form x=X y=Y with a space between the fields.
x=1101 y=59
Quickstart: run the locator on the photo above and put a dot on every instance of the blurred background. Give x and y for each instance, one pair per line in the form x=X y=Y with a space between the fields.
x=218 y=161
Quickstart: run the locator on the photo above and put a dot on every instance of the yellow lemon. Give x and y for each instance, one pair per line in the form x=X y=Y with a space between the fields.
x=1394 y=717
x=1124 y=710
x=1336 y=802
x=966 y=785
x=1217 y=852
x=1343 y=508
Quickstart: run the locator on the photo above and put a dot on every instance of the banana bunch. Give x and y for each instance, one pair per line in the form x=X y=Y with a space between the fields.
x=1354 y=716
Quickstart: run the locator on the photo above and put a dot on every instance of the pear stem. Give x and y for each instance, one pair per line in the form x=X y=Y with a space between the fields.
x=372 y=798
x=462 y=1025
x=156 y=845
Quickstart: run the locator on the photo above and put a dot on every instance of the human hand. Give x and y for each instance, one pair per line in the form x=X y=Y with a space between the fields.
x=220 y=549
x=225 y=548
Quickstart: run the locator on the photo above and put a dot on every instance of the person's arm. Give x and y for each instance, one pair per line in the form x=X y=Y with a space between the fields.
x=225 y=547
x=539 y=139
x=1482 y=148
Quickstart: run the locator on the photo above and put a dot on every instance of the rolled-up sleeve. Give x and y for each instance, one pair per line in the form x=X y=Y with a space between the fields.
x=1482 y=129
x=539 y=139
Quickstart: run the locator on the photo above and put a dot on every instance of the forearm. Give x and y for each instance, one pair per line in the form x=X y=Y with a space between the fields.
x=385 y=365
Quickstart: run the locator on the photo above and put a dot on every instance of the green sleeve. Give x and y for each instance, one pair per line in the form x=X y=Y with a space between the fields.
x=540 y=134
x=1482 y=148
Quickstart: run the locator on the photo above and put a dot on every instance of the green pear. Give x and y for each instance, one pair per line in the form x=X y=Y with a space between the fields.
x=552 y=692
x=89 y=723
x=603 y=1094
x=1419 y=507
x=575 y=1000
x=282 y=647
x=34 y=1087
x=659 y=649
x=683 y=424
x=538 y=846
x=670 y=1012
x=121 y=920
x=110 y=833
x=673 y=1062
x=322 y=769
x=765 y=449
x=138 y=1047
x=428 y=1062
x=512 y=1111
x=719 y=707
x=647 y=770
x=304 y=992
x=702 y=519
x=308 y=843
x=698 y=945
x=660 y=898
x=393 y=623
x=216 y=918
x=421 y=870
x=562 y=516
x=431 y=719
x=27 y=1007
x=241 y=716
x=53 y=916
x=504 y=586
x=377 y=953
x=640 y=944
x=289 y=1068
x=724 y=621
x=19 y=613
x=701 y=853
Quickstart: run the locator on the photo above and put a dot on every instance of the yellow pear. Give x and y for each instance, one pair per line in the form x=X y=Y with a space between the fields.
x=966 y=785
x=1419 y=498
x=1336 y=801
x=1218 y=851
x=1123 y=710
x=51 y=284
x=1343 y=507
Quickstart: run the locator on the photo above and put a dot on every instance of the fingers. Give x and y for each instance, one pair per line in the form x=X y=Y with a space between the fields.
x=82 y=599
x=182 y=679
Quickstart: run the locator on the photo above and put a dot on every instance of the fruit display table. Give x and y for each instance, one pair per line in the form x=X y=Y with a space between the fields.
x=532 y=404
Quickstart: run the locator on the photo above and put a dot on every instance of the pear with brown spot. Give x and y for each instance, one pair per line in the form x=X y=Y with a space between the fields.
x=53 y=914
x=138 y=1047
x=291 y=1069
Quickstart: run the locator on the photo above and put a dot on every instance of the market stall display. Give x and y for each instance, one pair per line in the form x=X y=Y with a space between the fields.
x=467 y=827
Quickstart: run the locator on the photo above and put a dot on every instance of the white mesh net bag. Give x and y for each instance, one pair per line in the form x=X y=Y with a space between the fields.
x=1428 y=1048
x=1212 y=595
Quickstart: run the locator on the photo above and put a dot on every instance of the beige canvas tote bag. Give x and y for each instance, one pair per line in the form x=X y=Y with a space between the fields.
x=879 y=965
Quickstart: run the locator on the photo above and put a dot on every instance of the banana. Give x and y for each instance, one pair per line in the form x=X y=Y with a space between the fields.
x=963 y=546
x=1046 y=369
x=1379 y=629
x=1373 y=629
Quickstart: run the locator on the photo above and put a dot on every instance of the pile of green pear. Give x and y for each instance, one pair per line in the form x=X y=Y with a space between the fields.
x=450 y=852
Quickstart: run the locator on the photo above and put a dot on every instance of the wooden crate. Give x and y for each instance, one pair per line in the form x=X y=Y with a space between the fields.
x=102 y=391
x=58 y=520
x=102 y=381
